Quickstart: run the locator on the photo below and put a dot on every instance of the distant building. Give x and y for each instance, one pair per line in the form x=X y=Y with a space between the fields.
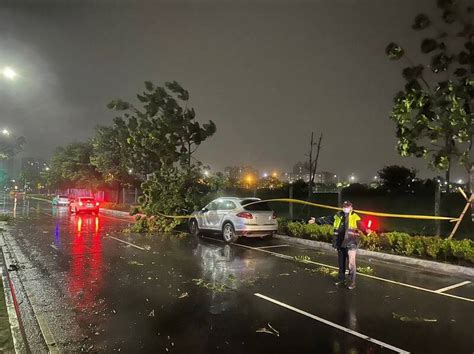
x=242 y=175
x=325 y=177
x=301 y=172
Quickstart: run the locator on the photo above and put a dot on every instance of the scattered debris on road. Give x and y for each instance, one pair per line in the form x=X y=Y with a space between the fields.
x=302 y=259
x=183 y=295
x=135 y=263
x=269 y=330
x=365 y=270
x=412 y=319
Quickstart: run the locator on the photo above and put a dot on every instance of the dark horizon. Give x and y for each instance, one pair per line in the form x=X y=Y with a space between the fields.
x=267 y=73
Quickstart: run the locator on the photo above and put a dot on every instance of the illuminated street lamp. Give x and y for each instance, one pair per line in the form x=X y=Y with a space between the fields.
x=9 y=73
x=5 y=132
x=206 y=173
x=352 y=178
x=274 y=174
x=265 y=175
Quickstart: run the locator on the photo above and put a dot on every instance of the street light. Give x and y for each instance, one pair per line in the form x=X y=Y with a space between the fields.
x=206 y=173
x=460 y=181
x=5 y=132
x=9 y=73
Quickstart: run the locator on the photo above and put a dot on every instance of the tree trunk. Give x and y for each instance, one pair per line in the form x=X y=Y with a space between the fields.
x=448 y=176
x=118 y=192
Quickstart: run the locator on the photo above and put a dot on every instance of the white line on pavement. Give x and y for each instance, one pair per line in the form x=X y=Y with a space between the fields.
x=332 y=324
x=274 y=246
x=128 y=243
x=280 y=255
x=452 y=286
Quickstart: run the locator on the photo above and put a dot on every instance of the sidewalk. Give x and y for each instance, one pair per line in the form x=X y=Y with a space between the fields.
x=6 y=340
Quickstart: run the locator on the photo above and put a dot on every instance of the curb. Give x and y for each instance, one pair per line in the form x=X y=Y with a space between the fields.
x=13 y=311
x=437 y=267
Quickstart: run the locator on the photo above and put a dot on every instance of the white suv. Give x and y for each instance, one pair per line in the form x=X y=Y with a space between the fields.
x=235 y=217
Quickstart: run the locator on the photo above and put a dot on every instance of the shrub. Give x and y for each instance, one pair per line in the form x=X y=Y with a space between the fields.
x=398 y=242
x=283 y=225
x=296 y=229
x=373 y=241
x=318 y=232
x=462 y=249
x=433 y=246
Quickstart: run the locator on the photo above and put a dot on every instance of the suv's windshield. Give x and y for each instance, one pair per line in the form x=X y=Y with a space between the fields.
x=260 y=206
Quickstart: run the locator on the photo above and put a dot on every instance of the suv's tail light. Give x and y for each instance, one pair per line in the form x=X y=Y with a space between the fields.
x=96 y=203
x=80 y=204
x=274 y=216
x=245 y=215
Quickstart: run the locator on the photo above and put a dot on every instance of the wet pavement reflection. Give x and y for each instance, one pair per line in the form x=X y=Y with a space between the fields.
x=176 y=293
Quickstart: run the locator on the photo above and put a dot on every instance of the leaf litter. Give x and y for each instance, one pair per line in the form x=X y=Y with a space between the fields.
x=412 y=319
x=269 y=330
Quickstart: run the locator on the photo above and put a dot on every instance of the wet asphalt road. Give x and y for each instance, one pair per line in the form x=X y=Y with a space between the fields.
x=175 y=293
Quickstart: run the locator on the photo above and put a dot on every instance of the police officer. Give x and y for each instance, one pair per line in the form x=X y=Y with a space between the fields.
x=346 y=240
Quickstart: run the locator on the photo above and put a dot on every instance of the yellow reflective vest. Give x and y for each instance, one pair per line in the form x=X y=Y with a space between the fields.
x=353 y=219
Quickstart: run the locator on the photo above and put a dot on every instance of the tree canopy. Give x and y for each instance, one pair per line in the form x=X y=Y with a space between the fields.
x=164 y=130
x=434 y=112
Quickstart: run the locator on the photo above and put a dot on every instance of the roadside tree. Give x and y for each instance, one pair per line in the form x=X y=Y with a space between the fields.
x=434 y=112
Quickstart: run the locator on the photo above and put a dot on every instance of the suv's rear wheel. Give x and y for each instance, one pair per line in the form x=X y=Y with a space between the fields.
x=228 y=233
x=194 y=227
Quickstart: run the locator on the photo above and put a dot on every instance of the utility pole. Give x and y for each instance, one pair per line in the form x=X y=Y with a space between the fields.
x=437 y=207
x=290 y=205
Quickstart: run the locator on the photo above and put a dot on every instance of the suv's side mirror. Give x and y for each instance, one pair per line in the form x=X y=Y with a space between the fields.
x=204 y=210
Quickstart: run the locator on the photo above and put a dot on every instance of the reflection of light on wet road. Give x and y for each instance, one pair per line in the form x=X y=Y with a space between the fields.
x=57 y=235
x=85 y=273
x=96 y=224
x=79 y=225
x=14 y=207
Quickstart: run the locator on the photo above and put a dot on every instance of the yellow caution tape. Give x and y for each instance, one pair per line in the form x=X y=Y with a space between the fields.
x=365 y=212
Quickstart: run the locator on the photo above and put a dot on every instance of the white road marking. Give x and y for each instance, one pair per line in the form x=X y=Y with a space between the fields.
x=274 y=246
x=332 y=324
x=128 y=243
x=452 y=286
x=358 y=274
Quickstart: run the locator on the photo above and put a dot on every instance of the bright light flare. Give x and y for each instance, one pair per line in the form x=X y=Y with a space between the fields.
x=9 y=73
x=5 y=132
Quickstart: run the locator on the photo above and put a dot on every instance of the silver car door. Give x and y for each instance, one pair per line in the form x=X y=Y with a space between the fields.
x=208 y=216
x=224 y=207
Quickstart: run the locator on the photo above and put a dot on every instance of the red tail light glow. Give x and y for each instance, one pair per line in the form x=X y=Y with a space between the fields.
x=245 y=215
x=80 y=204
x=97 y=203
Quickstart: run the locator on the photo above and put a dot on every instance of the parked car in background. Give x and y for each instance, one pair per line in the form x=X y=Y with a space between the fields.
x=84 y=204
x=235 y=217
x=60 y=200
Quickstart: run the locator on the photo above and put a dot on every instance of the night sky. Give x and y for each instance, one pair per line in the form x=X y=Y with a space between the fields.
x=266 y=72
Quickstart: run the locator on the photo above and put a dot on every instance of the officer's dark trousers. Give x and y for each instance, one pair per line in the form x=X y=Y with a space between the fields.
x=342 y=256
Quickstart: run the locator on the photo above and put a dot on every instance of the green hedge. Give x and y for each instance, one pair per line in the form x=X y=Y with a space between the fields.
x=400 y=243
